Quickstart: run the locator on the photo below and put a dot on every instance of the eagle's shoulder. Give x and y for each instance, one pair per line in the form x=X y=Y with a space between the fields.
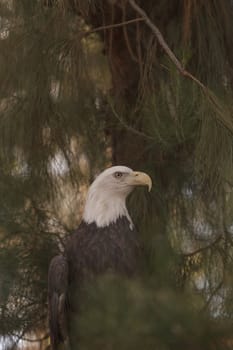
x=80 y=237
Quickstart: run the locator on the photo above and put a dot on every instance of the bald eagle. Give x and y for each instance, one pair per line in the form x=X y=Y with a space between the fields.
x=106 y=240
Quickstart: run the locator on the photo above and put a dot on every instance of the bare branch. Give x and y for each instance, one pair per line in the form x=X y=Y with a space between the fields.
x=201 y=249
x=158 y=35
x=115 y=25
x=128 y=127
x=36 y=340
x=164 y=45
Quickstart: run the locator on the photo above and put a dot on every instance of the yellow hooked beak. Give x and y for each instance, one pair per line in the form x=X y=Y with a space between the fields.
x=137 y=178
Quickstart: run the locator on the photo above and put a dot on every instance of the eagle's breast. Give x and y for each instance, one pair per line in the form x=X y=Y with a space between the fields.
x=96 y=250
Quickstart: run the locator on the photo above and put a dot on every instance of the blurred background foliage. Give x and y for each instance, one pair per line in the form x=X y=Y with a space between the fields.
x=77 y=94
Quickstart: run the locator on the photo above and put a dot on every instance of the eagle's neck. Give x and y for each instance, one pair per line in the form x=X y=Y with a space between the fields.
x=105 y=209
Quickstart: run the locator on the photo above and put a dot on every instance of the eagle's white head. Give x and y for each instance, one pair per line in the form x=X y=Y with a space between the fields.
x=106 y=197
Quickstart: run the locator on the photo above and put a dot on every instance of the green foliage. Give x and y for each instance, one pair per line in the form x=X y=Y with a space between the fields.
x=26 y=249
x=127 y=314
x=67 y=94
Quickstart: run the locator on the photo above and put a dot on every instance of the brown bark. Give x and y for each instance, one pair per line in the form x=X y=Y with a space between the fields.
x=120 y=47
x=126 y=47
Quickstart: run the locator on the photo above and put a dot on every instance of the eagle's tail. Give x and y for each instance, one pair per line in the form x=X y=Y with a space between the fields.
x=57 y=294
x=55 y=334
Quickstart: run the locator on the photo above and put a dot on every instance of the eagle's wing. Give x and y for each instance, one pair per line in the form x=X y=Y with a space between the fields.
x=57 y=300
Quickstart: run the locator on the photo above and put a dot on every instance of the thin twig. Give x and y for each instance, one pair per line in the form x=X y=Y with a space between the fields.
x=128 y=127
x=36 y=340
x=201 y=249
x=111 y=26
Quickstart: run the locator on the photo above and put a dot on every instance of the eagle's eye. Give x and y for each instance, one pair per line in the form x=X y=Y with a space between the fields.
x=118 y=174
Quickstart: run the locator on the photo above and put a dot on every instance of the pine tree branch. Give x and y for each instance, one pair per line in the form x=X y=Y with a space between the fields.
x=158 y=35
x=164 y=45
x=220 y=111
